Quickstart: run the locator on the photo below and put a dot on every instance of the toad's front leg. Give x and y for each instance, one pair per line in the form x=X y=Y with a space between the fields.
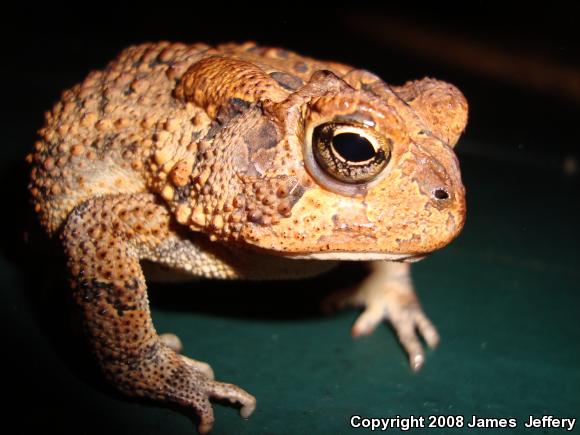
x=388 y=294
x=104 y=240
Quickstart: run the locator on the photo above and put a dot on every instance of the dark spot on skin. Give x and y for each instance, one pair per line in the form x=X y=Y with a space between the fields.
x=284 y=54
x=91 y=290
x=300 y=67
x=102 y=104
x=133 y=146
x=121 y=307
x=156 y=62
x=132 y=285
x=195 y=136
x=102 y=285
x=117 y=297
x=138 y=63
x=264 y=136
x=213 y=131
x=296 y=194
x=260 y=142
x=233 y=108
x=287 y=81
x=239 y=104
x=152 y=352
x=368 y=87
x=255 y=216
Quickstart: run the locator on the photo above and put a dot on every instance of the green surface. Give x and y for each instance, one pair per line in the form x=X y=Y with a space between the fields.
x=505 y=297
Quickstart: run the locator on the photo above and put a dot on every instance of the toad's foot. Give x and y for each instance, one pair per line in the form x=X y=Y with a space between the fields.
x=387 y=294
x=204 y=388
x=175 y=378
x=174 y=343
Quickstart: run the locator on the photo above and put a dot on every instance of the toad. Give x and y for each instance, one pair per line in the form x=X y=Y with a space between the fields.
x=242 y=162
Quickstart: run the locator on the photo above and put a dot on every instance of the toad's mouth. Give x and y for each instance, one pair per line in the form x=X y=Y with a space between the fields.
x=355 y=256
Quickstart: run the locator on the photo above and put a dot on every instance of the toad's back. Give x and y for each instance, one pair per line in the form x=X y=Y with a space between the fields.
x=101 y=137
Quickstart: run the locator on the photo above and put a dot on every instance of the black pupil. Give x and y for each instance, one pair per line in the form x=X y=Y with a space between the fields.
x=353 y=147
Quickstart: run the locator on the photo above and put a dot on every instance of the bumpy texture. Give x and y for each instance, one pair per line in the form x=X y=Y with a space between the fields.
x=201 y=159
x=104 y=240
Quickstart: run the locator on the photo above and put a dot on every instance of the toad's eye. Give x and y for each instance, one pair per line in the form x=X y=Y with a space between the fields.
x=349 y=152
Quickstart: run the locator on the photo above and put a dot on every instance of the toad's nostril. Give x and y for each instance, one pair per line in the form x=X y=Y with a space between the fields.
x=440 y=194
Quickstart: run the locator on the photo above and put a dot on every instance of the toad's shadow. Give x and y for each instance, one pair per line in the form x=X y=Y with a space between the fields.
x=257 y=300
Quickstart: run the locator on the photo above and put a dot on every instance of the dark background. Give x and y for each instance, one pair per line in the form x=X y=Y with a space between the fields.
x=505 y=295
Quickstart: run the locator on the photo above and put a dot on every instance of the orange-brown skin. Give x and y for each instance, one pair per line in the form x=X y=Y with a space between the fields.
x=199 y=158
